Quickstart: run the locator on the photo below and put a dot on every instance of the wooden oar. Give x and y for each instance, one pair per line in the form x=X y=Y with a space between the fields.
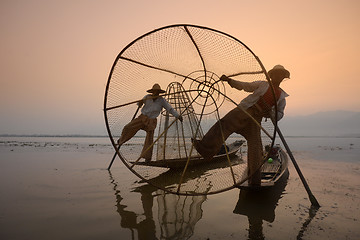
x=113 y=158
x=312 y=198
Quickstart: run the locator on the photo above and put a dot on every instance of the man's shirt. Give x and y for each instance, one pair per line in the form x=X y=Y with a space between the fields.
x=152 y=108
x=258 y=89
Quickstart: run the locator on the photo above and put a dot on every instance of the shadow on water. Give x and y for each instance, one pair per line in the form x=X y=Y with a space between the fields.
x=177 y=215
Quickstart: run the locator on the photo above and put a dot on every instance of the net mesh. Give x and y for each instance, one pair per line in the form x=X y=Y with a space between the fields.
x=175 y=142
x=187 y=61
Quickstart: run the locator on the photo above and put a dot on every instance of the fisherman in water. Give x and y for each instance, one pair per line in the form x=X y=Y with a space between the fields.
x=259 y=104
x=153 y=104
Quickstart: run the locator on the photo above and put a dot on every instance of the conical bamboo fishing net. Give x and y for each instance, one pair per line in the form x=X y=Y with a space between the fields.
x=187 y=61
x=175 y=143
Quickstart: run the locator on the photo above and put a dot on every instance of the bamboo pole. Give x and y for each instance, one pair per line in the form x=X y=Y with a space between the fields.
x=113 y=158
x=312 y=198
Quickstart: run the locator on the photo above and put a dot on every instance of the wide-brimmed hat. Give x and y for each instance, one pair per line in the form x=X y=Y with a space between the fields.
x=279 y=68
x=156 y=88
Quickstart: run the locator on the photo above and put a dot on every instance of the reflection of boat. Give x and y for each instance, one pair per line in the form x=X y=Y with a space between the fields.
x=233 y=148
x=272 y=170
x=260 y=205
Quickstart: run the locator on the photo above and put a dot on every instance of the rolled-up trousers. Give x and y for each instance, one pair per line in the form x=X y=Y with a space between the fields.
x=237 y=121
x=140 y=123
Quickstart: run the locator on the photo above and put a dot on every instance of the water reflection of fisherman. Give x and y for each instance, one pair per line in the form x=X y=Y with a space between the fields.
x=177 y=215
x=259 y=104
x=153 y=104
x=146 y=229
x=259 y=205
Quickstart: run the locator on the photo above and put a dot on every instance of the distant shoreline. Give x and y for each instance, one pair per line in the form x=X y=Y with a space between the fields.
x=54 y=135
x=105 y=136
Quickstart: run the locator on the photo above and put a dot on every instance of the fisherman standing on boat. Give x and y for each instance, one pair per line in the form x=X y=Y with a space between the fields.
x=153 y=104
x=259 y=104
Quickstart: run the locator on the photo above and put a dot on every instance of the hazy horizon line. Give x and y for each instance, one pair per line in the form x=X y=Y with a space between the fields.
x=355 y=135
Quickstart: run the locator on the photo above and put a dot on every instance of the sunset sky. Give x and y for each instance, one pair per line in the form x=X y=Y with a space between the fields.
x=56 y=55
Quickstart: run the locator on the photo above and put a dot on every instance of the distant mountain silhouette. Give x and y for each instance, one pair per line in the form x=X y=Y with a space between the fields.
x=332 y=123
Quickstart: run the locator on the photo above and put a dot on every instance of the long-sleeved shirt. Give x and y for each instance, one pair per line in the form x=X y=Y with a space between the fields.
x=152 y=108
x=258 y=89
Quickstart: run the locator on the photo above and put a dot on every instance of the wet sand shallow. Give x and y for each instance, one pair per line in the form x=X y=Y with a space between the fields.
x=58 y=189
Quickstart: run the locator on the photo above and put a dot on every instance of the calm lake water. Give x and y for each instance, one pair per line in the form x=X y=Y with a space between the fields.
x=57 y=188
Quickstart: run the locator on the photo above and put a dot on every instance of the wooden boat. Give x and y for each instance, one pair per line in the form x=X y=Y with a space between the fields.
x=271 y=171
x=233 y=148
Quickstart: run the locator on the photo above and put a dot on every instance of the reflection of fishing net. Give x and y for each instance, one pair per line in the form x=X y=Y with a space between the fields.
x=188 y=61
x=177 y=215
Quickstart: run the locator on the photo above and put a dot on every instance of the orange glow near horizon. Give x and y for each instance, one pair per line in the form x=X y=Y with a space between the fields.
x=56 y=56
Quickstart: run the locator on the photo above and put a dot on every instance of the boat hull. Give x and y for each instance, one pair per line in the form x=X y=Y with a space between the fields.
x=193 y=161
x=271 y=172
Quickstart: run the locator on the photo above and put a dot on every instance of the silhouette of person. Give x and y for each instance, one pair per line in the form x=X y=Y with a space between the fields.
x=259 y=104
x=147 y=121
